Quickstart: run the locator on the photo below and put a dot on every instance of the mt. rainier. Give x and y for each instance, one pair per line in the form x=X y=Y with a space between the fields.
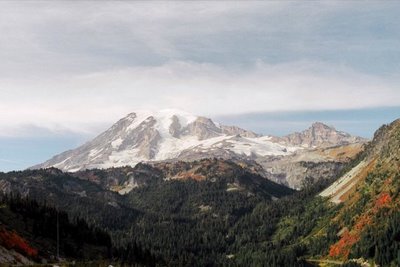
x=163 y=135
x=172 y=135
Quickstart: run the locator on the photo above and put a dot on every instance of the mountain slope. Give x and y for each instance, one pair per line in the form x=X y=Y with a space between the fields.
x=237 y=175
x=380 y=155
x=28 y=234
x=65 y=192
x=370 y=194
x=310 y=165
x=200 y=200
x=361 y=226
x=354 y=223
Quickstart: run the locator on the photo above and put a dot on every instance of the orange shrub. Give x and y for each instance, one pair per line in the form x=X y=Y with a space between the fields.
x=383 y=200
x=364 y=220
x=342 y=248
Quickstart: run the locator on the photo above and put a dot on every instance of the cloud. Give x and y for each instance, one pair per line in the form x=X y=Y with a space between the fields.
x=78 y=66
x=47 y=38
x=43 y=39
x=83 y=103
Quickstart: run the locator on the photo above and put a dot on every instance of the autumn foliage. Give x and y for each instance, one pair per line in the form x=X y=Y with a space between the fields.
x=382 y=200
x=12 y=240
x=342 y=247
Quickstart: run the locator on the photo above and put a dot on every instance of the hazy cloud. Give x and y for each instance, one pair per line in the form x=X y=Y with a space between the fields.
x=83 y=102
x=80 y=65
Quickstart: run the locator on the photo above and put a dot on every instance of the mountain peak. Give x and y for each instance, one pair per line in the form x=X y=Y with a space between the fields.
x=164 y=116
x=164 y=135
x=318 y=124
x=172 y=134
x=319 y=135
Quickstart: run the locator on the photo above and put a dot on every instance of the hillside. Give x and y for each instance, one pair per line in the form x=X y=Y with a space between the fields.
x=247 y=175
x=78 y=197
x=28 y=234
x=355 y=222
x=370 y=213
x=201 y=199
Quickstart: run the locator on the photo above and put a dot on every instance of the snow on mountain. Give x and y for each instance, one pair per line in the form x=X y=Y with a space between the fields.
x=162 y=135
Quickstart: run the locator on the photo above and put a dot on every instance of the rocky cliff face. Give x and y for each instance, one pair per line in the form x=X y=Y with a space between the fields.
x=309 y=166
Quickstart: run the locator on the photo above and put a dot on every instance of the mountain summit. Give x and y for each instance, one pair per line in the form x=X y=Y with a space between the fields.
x=319 y=135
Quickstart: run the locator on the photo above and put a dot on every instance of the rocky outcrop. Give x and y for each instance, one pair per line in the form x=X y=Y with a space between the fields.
x=319 y=135
x=175 y=127
x=234 y=130
x=203 y=128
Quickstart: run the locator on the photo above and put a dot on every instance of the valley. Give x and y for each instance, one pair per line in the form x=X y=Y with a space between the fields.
x=229 y=211
x=199 y=133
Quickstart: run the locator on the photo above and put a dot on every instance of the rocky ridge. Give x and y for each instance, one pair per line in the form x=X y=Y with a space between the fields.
x=317 y=136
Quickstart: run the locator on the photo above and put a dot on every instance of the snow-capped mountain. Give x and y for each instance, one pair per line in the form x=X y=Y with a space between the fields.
x=164 y=135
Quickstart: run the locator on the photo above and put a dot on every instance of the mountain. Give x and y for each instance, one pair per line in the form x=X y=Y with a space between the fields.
x=319 y=135
x=310 y=165
x=381 y=155
x=163 y=135
x=201 y=200
x=358 y=214
x=238 y=176
x=352 y=222
x=366 y=221
x=173 y=135
x=96 y=190
x=228 y=214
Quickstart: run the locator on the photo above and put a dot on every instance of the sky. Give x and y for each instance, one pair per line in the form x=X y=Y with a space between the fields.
x=69 y=69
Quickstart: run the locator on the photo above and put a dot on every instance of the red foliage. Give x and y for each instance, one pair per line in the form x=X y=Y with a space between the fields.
x=383 y=200
x=362 y=222
x=12 y=240
x=342 y=248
